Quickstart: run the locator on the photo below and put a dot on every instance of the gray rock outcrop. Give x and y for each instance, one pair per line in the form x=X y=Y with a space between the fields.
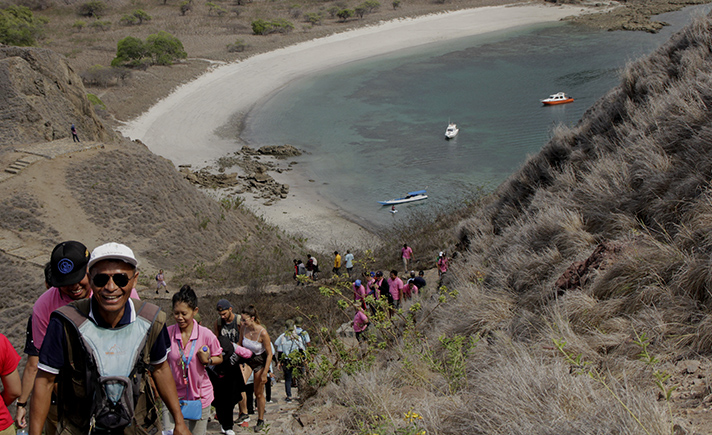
x=41 y=97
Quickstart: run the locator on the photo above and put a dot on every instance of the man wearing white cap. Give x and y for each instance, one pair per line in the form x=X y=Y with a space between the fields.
x=100 y=350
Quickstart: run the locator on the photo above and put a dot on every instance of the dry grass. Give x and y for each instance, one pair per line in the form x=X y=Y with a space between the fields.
x=635 y=171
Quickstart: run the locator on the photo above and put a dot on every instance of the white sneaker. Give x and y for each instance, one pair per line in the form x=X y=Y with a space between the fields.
x=229 y=432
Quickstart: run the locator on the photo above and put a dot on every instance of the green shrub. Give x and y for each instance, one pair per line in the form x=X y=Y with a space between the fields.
x=129 y=51
x=128 y=20
x=164 y=48
x=93 y=8
x=371 y=5
x=96 y=101
x=280 y=25
x=102 y=25
x=237 y=46
x=18 y=26
x=396 y=4
x=313 y=18
x=345 y=14
x=79 y=25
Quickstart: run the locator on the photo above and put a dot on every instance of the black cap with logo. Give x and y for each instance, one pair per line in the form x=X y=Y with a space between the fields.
x=69 y=263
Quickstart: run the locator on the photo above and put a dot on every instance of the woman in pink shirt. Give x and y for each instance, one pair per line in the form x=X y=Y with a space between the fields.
x=359 y=292
x=193 y=347
x=360 y=322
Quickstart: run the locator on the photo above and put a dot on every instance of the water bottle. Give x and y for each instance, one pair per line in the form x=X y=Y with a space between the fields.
x=22 y=431
x=205 y=348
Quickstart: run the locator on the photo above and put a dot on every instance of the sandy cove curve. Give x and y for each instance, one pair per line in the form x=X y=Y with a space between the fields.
x=183 y=126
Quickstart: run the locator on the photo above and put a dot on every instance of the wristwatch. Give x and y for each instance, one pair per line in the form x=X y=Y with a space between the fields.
x=21 y=404
x=210 y=361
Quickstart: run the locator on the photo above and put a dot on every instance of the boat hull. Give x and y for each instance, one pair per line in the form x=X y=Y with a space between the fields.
x=554 y=103
x=403 y=200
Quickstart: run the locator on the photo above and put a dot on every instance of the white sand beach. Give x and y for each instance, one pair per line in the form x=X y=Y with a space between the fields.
x=184 y=126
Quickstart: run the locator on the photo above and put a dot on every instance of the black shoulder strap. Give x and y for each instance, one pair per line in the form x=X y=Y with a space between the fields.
x=76 y=312
x=146 y=310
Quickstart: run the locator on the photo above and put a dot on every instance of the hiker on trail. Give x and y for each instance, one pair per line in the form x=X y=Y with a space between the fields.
x=77 y=352
x=290 y=350
x=360 y=322
x=406 y=255
x=68 y=280
x=315 y=265
x=250 y=388
x=255 y=337
x=395 y=286
x=442 y=265
x=75 y=137
x=349 y=259
x=310 y=266
x=374 y=288
x=161 y=281
x=230 y=390
x=337 y=263
x=302 y=333
x=301 y=272
x=419 y=280
x=410 y=289
x=359 y=292
x=193 y=347
x=228 y=383
x=11 y=383
x=296 y=270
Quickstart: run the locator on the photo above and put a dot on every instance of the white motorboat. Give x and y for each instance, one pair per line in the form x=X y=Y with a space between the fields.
x=410 y=197
x=557 y=98
x=451 y=130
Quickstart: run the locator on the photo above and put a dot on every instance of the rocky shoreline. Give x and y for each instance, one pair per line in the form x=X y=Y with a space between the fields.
x=633 y=16
x=254 y=177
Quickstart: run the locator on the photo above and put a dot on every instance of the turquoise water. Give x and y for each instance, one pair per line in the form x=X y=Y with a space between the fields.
x=374 y=129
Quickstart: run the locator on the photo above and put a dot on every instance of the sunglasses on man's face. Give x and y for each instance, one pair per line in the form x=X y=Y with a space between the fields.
x=102 y=279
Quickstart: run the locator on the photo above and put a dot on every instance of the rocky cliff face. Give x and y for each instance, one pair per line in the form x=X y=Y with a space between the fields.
x=41 y=97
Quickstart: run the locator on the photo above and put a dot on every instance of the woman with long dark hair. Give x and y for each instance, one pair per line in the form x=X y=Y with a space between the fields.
x=193 y=347
x=255 y=337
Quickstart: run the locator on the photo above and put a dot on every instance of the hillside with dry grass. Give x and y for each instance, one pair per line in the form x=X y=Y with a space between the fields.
x=539 y=336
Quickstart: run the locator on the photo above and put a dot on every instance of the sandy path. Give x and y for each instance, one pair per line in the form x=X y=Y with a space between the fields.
x=182 y=127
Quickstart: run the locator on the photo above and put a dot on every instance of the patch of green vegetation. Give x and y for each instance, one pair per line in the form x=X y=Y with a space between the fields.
x=96 y=101
x=19 y=26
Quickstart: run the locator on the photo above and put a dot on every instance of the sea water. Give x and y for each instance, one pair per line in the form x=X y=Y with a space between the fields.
x=374 y=129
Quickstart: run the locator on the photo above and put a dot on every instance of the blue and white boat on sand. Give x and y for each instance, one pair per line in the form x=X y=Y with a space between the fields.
x=416 y=195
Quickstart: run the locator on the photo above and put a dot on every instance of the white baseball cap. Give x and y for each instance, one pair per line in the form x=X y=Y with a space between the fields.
x=112 y=251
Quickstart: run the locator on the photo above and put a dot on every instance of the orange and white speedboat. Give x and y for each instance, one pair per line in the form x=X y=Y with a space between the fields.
x=558 y=98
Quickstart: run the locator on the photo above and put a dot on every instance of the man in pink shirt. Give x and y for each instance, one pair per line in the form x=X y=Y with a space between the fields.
x=69 y=282
x=407 y=255
x=395 y=285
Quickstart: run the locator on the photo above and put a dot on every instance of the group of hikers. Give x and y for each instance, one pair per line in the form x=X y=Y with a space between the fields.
x=392 y=289
x=97 y=355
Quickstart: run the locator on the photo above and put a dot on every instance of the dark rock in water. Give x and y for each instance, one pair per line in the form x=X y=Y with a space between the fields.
x=42 y=97
x=280 y=151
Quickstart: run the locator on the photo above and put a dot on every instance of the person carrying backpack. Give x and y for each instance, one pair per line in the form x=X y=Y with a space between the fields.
x=100 y=351
x=289 y=345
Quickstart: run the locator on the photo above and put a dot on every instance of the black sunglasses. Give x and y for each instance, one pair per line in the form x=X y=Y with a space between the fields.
x=102 y=279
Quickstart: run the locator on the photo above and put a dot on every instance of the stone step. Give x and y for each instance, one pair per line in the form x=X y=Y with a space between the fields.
x=18 y=167
x=12 y=171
